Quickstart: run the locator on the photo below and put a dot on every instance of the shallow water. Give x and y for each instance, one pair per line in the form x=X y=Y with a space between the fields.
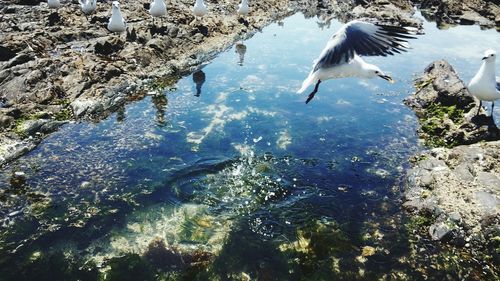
x=231 y=162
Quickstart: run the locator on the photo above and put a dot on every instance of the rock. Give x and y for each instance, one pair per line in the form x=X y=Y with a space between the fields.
x=453 y=12
x=159 y=44
x=81 y=106
x=6 y=54
x=487 y=200
x=18 y=60
x=464 y=190
x=45 y=126
x=489 y=180
x=439 y=231
x=446 y=110
x=6 y=121
x=108 y=47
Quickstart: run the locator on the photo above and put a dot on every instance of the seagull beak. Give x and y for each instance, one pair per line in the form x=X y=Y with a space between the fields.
x=386 y=77
x=484 y=58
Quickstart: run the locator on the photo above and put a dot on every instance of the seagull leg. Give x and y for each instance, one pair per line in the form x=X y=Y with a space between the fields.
x=492 y=106
x=311 y=95
x=479 y=108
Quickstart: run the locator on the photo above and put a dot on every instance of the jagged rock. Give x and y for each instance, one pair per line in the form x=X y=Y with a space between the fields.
x=18 y=60
x=81 y=107
x=439 y=231
x=45 y=126
x=447 y=110
x=108 y=47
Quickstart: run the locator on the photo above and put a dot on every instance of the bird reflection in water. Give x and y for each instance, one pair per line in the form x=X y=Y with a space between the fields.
x=120 y=114
x=241 y=49
x=199 y=78
x=324 y=21
x=160 y=102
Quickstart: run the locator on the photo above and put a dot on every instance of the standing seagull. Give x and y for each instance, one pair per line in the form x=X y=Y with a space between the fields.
x=199 y=9
x=88 y=6
x=484 y=85
x=157 y=9
x=116 y=22
x=243 y=8
x=341 y=56
x=54 y=4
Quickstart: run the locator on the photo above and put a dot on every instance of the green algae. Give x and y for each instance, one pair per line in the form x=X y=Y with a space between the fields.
x=434 y=124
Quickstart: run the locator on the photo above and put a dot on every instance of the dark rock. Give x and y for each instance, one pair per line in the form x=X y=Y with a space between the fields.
x=6 y=54
x=29 y=2
x=18 y=60
x=112 y=71
x=161 y=30
x=53 y=19
x=108 y=47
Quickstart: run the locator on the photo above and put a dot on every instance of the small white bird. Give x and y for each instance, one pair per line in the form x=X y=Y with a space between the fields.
x=199 y=8
x=88 y=6
x=54 y=4
x=243 y=8
x=116 y=22
x=484 y=85
x=341 y=56
x=157 y=9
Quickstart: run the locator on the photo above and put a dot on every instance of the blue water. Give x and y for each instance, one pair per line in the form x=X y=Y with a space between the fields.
x=244 y=169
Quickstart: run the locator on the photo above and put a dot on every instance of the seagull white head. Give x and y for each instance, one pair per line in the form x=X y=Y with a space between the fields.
x=116 y=5
x=373 y=71
x=489 y=55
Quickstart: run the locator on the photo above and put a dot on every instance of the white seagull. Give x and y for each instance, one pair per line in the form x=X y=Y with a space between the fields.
x=88 y=6
x=116 y=22
x=484 y=85
x=54 y=4
x=341 y=56
x=199 y=8
x=243 y=8
x=157 y=9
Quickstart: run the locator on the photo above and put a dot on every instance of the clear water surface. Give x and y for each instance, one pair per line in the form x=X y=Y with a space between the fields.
x=242 y=172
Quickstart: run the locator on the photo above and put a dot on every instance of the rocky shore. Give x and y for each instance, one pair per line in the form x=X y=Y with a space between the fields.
x=453 y=189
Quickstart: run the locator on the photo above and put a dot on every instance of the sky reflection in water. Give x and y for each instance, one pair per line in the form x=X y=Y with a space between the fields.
x=234 y=146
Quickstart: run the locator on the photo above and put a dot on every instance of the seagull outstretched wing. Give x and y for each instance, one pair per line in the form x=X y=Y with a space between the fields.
x=363 y=39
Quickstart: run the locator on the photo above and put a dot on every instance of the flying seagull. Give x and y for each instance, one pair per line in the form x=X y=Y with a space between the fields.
x=341 y=56
x=484 y=85
x=116 y=22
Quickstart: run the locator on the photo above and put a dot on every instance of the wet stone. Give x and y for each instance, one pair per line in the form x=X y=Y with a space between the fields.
x=439 y=231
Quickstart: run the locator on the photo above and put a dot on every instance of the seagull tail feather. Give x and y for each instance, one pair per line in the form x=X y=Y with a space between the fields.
x=311 y=79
